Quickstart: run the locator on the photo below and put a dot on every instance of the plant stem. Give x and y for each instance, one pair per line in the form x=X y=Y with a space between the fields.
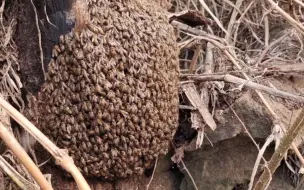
x=278 y=155
x=20 y=153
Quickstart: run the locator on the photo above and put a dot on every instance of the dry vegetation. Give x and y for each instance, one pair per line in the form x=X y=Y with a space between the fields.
x=241 y=45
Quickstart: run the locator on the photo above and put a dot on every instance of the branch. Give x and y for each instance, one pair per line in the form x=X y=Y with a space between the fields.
x=16 y=177
x=278 y=155
x=62 y=158
x=20 y=153
x=250 y=84
x=297 y=25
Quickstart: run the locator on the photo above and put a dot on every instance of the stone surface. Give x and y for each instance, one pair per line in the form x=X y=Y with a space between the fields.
x=228 y=165
x=254 y=115
x=221 y=167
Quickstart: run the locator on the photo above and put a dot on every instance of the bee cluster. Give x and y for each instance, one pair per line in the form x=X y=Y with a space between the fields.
x=111 y=94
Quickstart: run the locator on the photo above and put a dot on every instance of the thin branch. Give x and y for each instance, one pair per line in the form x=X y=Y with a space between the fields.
x=297 y=25
x=213 y=16
x=16 y=177
x=299 y=2
x=266 y=24
x=61 y=156
x=194 y=60
x=250 y=84
x=147 y=187
x=189 y=174
x=278 y=155
x=232 y=19
x=39 y=39
x=268 y=47
x=20 y=153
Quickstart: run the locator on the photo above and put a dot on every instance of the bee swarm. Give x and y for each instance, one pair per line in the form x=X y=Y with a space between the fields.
x=111 y=94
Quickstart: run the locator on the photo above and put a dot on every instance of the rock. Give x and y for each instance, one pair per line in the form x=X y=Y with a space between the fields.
x=254 y=115
x=228 y=165
x=281 y=181
x=167 y=180
x=221 y=167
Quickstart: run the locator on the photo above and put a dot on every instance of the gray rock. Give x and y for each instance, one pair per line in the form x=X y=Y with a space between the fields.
x=252 y=113
x=228 y=164
x=221 y=167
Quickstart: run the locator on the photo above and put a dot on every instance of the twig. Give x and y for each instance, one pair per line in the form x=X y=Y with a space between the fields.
x=20 y=153
x=195 y=58
x=250 y=84
x=258 y=160
x=267 y=48
x=213 y=40
x=288 y=18
x=47 y=17
x=189 y=174
x=147 y=187
x=39 y=39
x=261 y=151
x=299 y=2
x=266 y=23
x=278 y=155
x=213 y=16
x=61 y=156
x=194 y=98
x=15 y=176
x=232 y=19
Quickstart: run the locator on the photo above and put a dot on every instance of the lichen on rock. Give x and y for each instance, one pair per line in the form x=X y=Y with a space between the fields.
x=111 y=94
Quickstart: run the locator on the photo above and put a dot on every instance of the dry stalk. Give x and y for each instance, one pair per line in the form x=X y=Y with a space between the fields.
x=189 y=174
x=205 y=6
x=202 y=35
x=16 y=177
x=20 y=153
x=194 y=60
x=61 y=156
x=268 y=47
x=297 y=25
x=299 y=2
x=278 y=155
x=266 y=24
x=250 y=84
x=155 y=165
x=39 y=38
x=232 y=20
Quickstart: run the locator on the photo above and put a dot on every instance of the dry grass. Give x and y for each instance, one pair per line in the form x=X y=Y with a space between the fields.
x=247 y=36
x=10 y=83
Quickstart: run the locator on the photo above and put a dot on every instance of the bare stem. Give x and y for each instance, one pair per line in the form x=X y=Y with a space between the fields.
x=278 y=155
x=61 y=156
x=20 y=153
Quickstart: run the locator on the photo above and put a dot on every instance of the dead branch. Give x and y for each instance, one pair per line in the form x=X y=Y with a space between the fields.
x=297 y=25
x=16 y=177
x=193 y=96
x=17 y=149
x=155 y=165
x=217 y=42
x=278 y=155
x=249 y=84
x=39 y=39
x=61 y=156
